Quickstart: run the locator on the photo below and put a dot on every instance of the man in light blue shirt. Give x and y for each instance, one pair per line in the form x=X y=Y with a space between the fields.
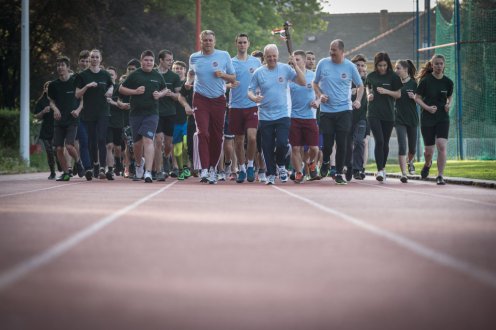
x=269 y=89
x=243 y=112
x=332 y=85
x=212 y=68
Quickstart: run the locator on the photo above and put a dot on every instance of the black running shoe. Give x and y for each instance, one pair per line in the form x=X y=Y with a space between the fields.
x=357 y=175
x=101 y=174
x=425 y=172
x=110 y=175
x=324 y=169
x=52 y=176
x=440 y=180
x=79 y=169
x=89 y=175
x=339 y=179
x=349 y=175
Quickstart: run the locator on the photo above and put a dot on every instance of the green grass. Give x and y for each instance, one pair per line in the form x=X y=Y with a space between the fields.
x=473 y=169
x=11 y=162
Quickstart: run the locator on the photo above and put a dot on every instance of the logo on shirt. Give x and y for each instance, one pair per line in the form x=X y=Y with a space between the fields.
x=344 y=75
x=155 y=81
x=281 y=80
x=215 y=64
x=309 y=86
x=252 y=70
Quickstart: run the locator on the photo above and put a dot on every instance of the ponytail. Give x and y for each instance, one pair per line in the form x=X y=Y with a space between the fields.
x=412 y=70
x=427 y=68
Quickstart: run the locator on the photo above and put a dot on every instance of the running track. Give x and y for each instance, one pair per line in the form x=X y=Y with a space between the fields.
x=185 y=255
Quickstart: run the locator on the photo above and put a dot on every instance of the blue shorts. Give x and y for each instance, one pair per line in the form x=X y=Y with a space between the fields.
x=143 y=126
x=180 y=131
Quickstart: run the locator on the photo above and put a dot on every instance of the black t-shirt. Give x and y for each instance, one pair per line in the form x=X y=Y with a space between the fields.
x=63 y=94
x=360 y=114
x=435 y=92
x=46 y=130
x=167 y=105
x=116 y=114
x=181 y=116
x=382 y=106
x=144 y=104
x=95 y=102
x=406 y=107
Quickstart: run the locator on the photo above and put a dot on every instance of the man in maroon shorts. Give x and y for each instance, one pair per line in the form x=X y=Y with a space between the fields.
x=304 y=130
x=243 y=112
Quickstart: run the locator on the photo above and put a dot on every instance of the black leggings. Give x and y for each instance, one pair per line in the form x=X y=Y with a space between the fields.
x=382 y=133
x=97 y=140
x=50 y=151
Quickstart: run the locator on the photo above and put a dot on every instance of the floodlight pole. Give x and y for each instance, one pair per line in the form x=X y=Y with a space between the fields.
x=24 y=118
x=198 y=24
x=459 y=79
x=417 y=28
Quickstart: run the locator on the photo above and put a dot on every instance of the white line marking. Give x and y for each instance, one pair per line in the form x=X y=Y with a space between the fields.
x=466 y=268
x=427 y=194
x=13 y=275
x=41 y=189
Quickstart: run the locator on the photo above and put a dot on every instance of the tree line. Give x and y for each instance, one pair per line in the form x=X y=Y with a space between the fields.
x=121 y=29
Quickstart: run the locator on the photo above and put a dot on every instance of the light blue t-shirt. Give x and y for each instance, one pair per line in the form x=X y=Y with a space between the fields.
x=335 y=81
x=301 y=97
x=204 y=66
x=238 y=97
x=273 y=86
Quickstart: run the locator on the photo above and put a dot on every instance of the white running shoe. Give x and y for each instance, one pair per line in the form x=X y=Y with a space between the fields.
x=271 y=179
x=221 y=176
x=212 y=176
x=148 y=177
x=140 y=170
x=283 y=174
x=380 y=176
x=204 y=175
x=262 y=177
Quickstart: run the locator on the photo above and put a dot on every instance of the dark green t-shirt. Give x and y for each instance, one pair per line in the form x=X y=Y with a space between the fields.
x=46 y=130
x=144 y=104
x=116 y=114
x=95 y=102
x=435 y=92
x=406 y=108
x=360 y=114
x=382 y=106
x=167 y=105
x=63 y=94
x=125 y=99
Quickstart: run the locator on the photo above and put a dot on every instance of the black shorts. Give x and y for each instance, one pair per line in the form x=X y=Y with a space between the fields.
x=114 y=135
x=143 y=126
x=65 y=134
x=166 y=125
x=331 y=122
x=438 y=131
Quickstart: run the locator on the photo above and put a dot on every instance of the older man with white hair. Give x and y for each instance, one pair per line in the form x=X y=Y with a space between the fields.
x=268 y=88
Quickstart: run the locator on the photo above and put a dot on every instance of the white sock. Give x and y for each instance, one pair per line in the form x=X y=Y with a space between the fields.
x=250 y=163
x=242 y=168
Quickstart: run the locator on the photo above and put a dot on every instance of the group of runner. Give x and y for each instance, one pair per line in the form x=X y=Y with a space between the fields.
x=243 y=118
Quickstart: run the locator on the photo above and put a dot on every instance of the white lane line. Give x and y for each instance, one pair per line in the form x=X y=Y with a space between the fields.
x=41 y=189
x=14 y=274
x=473 y=271
x=427 y=194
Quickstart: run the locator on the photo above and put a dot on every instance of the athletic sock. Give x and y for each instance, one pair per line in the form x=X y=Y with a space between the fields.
x=250 y=163
x=242 y=168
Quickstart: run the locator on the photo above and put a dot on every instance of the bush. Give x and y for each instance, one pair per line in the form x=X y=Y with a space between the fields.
x=9 y=127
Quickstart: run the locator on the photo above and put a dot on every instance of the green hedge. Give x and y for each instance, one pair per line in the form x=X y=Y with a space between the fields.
x=10 y=129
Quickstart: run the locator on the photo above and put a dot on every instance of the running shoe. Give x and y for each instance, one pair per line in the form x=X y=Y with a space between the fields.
x=333 y=172
x=425 y=172
x=110 y=175
x=80 y=169
x=349 y=175
x=250 y=174
x=89 y=175
x=271 y=179
x=324 y=169
x=148 y=177
x=212 y=176
x=299 y=178
x=160 y=176
x=139 y=172
x=154 y=175
x=262 y=177
x=380 y=176
x=186 y=172
x=70 y=173
x=195 y=173
x=241 y=177
x=233 y=176
x=181 y=176
x=339 y=179
x=283 y=174
x=52 y=176
x=96 y=170
x=411 y=168
x=314 y=172
x=64 y=177
x=101 y=174
x=221 y=176
x=440 y=181
x=362 y=174
x=204 y=175
x=357 y=175
x=404 y=178
x=174 y=173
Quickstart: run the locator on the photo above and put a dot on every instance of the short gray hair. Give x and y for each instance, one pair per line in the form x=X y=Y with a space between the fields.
x=339 y=42
x=271 y=47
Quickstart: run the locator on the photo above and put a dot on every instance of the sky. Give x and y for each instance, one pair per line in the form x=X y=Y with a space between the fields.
x=372 y=6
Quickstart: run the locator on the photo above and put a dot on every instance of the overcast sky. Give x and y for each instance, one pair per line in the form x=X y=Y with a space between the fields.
x=373 y=6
